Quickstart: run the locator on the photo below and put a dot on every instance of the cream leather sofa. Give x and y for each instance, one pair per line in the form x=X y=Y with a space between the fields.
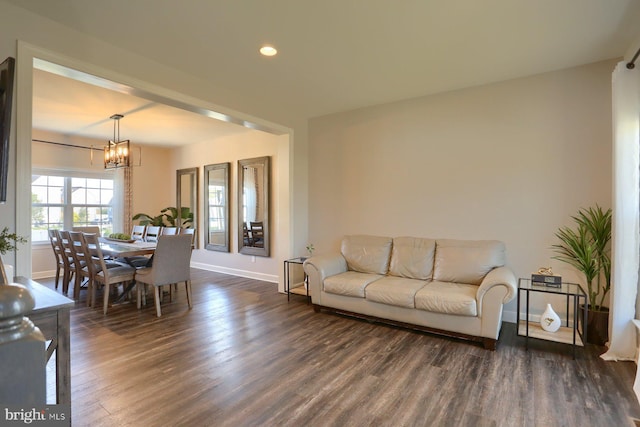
x=452 y=287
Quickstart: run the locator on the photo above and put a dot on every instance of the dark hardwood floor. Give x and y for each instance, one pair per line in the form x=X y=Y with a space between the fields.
x=243 y=356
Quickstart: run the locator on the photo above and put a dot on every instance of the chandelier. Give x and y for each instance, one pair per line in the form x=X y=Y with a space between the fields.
x=116 y=153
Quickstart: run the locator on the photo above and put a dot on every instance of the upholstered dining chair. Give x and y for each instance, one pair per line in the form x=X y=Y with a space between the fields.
x=169 y=231
x=122 y=274
x=137 y=232
x=58 y=253
x=152 y=233
x=191 y=232
x=171 y=264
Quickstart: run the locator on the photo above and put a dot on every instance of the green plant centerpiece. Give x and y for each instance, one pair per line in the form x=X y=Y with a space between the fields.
x=8 y=242
x=587 y=248
x=168 y=217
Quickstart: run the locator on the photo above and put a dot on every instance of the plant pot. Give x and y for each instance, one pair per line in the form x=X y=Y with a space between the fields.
x=597 y=325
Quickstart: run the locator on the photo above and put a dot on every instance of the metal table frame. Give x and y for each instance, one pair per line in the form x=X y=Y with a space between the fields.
x=571 y=291
x=287 y=276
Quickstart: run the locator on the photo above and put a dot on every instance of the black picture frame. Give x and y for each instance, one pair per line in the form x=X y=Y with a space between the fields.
x=7 y=76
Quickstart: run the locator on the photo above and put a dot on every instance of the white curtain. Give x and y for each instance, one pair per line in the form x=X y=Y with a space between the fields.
x=626 y=213
x=122 y=201
x=251 y=193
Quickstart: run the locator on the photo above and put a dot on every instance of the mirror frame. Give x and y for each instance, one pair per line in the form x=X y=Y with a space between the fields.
x=265 y=163
x=192 y=174
x=208 y=169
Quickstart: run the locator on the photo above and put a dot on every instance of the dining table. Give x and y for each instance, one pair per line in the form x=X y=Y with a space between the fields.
x=126 y=250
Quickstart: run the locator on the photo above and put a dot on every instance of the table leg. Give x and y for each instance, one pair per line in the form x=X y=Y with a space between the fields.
x=63 y=360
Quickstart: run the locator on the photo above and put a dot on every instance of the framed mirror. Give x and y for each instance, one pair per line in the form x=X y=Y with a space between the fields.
x=187 y=199
x=216 y=207
x=253 y=206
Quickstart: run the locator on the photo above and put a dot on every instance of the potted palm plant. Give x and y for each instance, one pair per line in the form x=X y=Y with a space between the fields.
x=586 y=247
x=167 y=216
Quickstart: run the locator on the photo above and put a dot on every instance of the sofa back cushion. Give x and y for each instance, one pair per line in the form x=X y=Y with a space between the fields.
x=412 y=257
x=467 y=261
x=367 y=254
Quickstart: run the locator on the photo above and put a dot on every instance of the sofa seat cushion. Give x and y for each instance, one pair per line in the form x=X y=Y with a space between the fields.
x=448 y=298
x=351 y=283
x=393 y=290
x=412 y=257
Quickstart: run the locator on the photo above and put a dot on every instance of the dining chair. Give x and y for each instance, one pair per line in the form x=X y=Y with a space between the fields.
x=191 y=232
x=58 y=253
x=152 y=233
x=70 y=267
x=122 y=274
x=257 y=234
x=80 y=257
x=171 y=265
x=246 y=239
x=137 y=232
x=169 y=231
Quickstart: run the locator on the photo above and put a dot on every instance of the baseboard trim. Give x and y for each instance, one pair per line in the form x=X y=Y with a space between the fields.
x=236 y=272
x=43 y=274
x=509 y=316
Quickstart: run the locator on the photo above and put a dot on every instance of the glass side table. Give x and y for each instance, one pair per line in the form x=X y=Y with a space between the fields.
x=301 y=289
x=572 y=331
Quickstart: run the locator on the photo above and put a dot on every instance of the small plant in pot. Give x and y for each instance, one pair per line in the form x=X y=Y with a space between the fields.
x=8 y=242
x=586 y=247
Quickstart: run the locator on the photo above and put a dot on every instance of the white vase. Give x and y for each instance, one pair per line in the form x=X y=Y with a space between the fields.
x=549 y=320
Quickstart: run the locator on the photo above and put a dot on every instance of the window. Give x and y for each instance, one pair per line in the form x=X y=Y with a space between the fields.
x=64 y=202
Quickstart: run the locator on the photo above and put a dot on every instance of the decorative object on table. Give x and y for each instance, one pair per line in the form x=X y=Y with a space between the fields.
x=545 y=277
x=168 y=218
x=120 y=237
x=549 y=320
x=310 y=249
x=8 y=242
x=587 y=249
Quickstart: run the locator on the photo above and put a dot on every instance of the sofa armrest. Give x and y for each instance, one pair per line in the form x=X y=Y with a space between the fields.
x=501 y=276
x=319 y=268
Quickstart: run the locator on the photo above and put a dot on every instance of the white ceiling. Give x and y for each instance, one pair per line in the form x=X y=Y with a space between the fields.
x=337 y=55
x=74 y=108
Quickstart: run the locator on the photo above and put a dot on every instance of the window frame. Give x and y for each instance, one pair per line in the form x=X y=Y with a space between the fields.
x=67 y=205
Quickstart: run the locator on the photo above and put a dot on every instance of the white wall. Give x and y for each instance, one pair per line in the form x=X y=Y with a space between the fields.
x=508 y=161
x=18 y=24
x=248 y=144
x=153 y=185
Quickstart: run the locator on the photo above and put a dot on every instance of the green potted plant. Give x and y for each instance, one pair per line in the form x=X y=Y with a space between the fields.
x=587 y=248
x=168 y=218
x=8 y=242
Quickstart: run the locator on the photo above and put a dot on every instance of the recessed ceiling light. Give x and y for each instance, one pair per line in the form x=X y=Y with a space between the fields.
x=267 y=50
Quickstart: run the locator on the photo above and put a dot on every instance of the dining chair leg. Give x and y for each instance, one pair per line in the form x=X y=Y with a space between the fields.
x=76 y=286
x=187 y=285
x=90 y=286
x=106 y=298
x=66 y=281
x=141 y=297
x=156 y=297
x=57 y=276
